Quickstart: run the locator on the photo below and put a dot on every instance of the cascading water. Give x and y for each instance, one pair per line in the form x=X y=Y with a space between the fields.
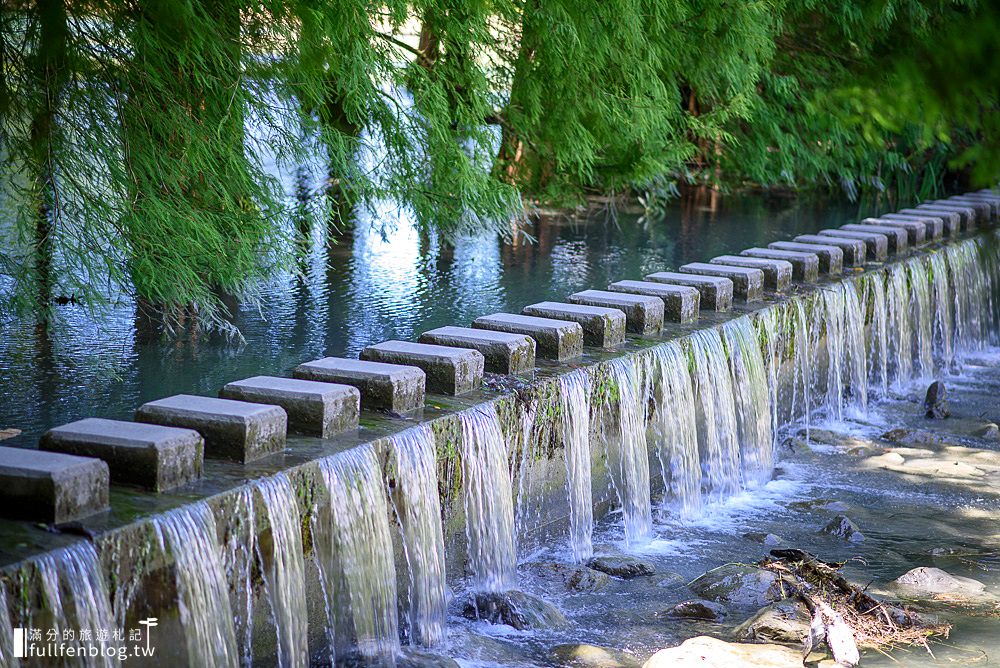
x=7 y=658
x=972 y=289
x=418 y=510
x=943 y=324
x=189 y=536
x=854 y=347
x=353 y=546
x=830 y=321
x=627 y=453
x=878 y=349
x=898 y=300
x=574 y=402
x=798 y=325
x=753 y=402
x=716 y=410
x=922 y=318
x=489 y=506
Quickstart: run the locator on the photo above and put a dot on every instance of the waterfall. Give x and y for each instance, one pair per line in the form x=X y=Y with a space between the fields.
x=676 y=430
x=802 y=362
x=831 y=317
x=627 y=454
x=489 y=506
x=922 y=319
x=898 y=298
x=418 y=510
x=878 y=350
x=716 y=410
x=943 y=323
x=353 y=546
x=972 y=291
x=189 y=535
x=574 y=402
x=7 y=658
x=753 y=401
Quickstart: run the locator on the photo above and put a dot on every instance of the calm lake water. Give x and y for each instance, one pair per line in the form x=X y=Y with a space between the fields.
x=364 y=289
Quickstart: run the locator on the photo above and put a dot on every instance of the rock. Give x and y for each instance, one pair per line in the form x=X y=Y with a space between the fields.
x=706 y=652
x=411 y=658
x=621 y=566
x=842 y=527
x=672 y=581
x=989 y=431
x=9 y=433
x=912 y=437
x=936 y=401
x=763 y=538
x=936 y=581
x=590 y=656
x=786 y=621
x=820 y=504
x=570 y=577
x=697 y=609
x=513 y=608
x=741 y=585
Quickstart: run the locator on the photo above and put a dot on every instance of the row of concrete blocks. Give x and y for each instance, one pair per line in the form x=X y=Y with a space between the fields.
x=165 y=447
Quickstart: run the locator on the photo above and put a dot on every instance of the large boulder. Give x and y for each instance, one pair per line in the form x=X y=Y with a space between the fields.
x=740 y=585
x=786 y=621
x=931 y=580
x=621 y=566
x=567 y=577
x=699 y=609
x=513 y=608
x=841 y=526
x=590 y=656
x=706 y=652
x=936 y=401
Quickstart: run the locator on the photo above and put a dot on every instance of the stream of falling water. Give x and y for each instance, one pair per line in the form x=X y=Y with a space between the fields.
x=353 y=545
x=627 y=454
x=716 y=410
x=878 y=349
x=944 y=327
x=898 y=299
x=189 y=535
x=574 y=402
x=7 y=658
x=418 y=511
x=752 y=401
x=920 y=290
x=489 y=505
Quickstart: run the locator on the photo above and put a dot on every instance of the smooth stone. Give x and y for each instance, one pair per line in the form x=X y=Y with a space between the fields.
x=830 y=505
x=936 y=401
x=786 y=621
x=505 y=353
x=984 y=211
x=966 y=214
x=236 y=430
x=513 y=608
x=952 y=220
x=150 y=456
x=897 y=238
x=621 y=566
x=853 y=250
x=602 y=327
x=313 y=408
x=843 y=527
x=805 y=266
x=700 y=609
x=590 y=656
x=931 y=580
x=9 y=433
x=410 y=657
x=560 y=340
x=454 y=371
x=876 y=245
x=706 y=652
x=916 y=233
x=831 y=258
x=777 y=273
x=50 y=486
x=763 y=538
x=643 y=313
x=570 y=577
x=748 y=283
x=740 y=585
x=989 y=431
x=934 y=225
x=681 y=303
x=716 y=292
x=390 y=387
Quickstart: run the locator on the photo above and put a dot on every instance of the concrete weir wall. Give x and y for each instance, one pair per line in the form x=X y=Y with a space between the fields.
x=141 y=573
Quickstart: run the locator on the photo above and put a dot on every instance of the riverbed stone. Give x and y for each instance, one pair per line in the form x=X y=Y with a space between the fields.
x=514 y=608
x=9 y=433
x=681 y=303
x=412 y=657
x=454 y=371
x=313 y=408
x=777 y=273
x=699 y=609
x=643 y=313
x=936 y=401
x=505 y=353
x=805 y=266
x=748 y=282
x=560 y=340
x=831 y=258
x=898 y=239
x=952 y=220
x=569 y=577
x=853 y=249
x=763 y=537
x=716 y=291
x=602 y=327
x=707 y=652
x=966 y=214
x=621 y=566
x=876 y=245
x=989 y=431
x=51 y=487
x=150 y=456
x=930 y=580
x=786 y=621
x=916 y=233
x=934 y=225
x=842 y=526
x=391 y=387
x=741 y=585
x=237 y=430
x=572 y=655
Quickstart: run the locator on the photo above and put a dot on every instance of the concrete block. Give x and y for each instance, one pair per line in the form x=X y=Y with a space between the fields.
x=915 y=232
x=313 y=408
x=876 y=245
x=603 y=327
x=982 y=208
x=560 y=340
x=748 y=282
x=952 y=220
x=897 y=237
x=39 y=486
x=777 y=273
x=643 y=313
x=716 y=291
x=235 y=430
x=966 y=214
x=680 y=303
x=390 y=387
x=805 y=266
x=504 y=352
x=853 y=249
x=453 y=371
x=831 y=258
x=150 y=456
x=934 y=224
